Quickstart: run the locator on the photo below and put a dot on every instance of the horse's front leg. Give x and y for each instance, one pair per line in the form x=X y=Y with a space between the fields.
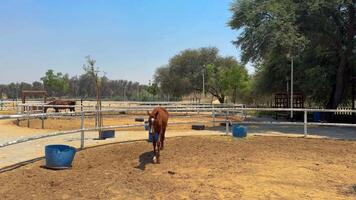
x=154 y=152
x=158 y=148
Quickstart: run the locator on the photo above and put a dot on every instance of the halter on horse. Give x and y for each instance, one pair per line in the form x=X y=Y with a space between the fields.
x=157 y=121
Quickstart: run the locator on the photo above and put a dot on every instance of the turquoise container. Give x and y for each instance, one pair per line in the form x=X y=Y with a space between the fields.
x=239 y=131
x=107 y=134
x=147 y=126
x=151 y=136
x=59 y=156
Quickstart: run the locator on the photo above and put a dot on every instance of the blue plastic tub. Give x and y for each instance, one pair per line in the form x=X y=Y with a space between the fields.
x=107 y=134
x=147 y=126
x=316 y=116
x=59 y=156
x=239 y=131
x=150 y=137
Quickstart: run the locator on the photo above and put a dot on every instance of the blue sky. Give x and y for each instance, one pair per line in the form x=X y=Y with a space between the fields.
x=128 y=38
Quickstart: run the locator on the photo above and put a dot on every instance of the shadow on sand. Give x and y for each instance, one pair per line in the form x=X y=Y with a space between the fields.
x=144 y=159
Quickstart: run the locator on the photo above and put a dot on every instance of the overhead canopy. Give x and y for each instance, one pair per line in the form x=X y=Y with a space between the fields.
x=41 y=93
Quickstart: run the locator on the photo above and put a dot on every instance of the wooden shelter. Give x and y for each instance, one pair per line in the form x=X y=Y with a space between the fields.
x=39 y=93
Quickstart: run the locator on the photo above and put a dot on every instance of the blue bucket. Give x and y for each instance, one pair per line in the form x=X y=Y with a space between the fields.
x=239 y=131
x=150 y=137
x=107 y=134
x=316 y=116
x=59 y=156
x=147 y=126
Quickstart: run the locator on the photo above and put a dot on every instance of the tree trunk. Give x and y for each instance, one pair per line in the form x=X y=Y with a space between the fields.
x=221 y=99
x=339 y=88
x=342 y=71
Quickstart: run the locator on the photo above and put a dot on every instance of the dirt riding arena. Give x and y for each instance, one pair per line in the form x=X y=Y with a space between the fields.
x=209 y=167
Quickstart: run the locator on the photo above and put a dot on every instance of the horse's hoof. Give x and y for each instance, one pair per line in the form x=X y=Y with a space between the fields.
x=154 y=160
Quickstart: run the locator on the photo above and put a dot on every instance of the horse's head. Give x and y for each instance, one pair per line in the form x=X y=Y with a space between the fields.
x=152 y=122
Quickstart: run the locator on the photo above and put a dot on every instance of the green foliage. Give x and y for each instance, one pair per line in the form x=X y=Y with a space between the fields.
x=224 y=76
x=152 y=89
x=266 y=25
x=184 y=72
x=55 y=83
x=37 y=86
x=92 y=71
x=227 y=77
x=318 y=35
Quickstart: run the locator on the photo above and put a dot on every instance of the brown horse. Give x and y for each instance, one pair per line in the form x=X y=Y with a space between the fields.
x=157 y=121
x=62 y=104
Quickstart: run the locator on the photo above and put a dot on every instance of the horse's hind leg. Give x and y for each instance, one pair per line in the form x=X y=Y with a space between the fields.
x=162 y=138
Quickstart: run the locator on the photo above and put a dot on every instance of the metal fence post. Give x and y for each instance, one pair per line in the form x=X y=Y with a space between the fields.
x=28 y=116
x=82 y=130
x=213 y=115
x=305 y=123
x=227 y=123
x=17 y=112
x=42 y=118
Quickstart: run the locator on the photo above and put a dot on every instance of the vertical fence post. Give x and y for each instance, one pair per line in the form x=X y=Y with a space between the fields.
x=28 y=116
x=82 y=130
x=43 y=116
x=96 y=116
x=305 y=123
x=213 y=115
x=17 y=112
x=227 y=122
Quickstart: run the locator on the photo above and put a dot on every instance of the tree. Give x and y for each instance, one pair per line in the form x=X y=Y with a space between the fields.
x=93 y=72
x=56 y=84
x=37 y=85
x=320 y=35
x=163 y=78
x=226 y=76
x=82 y=86
x=183 y=74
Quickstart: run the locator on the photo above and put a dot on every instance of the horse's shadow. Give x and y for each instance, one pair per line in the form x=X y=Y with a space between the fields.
x=144 y=159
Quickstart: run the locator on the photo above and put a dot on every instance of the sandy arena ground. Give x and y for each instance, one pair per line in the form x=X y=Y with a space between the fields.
x=209 y=167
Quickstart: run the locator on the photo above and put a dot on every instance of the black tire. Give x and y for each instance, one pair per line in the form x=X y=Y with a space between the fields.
x=224 y=124
x=139 y=119
x=198 y=127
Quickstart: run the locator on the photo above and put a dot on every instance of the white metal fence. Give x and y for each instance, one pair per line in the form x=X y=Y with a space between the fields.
x=211 y=109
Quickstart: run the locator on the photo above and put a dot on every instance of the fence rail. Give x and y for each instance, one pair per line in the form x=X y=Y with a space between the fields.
x=213 y=110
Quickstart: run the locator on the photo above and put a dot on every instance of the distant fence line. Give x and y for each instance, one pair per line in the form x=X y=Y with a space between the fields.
x=213 y=111
x=184 y=109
